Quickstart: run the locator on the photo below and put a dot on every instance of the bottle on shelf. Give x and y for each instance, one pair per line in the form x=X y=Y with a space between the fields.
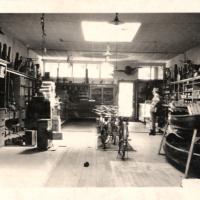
x=175 y=72
x=185 y=70
x=179 y=75
x=4 y=52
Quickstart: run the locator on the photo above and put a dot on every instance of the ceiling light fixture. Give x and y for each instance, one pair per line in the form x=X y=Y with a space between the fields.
x=107 y=54
x=116 y=20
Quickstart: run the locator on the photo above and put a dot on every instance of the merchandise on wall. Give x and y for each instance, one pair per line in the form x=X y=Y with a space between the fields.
x=184 y=83
x=79 y=100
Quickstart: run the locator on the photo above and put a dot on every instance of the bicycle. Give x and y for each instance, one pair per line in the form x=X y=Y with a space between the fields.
x=105 y=123
x=104 y=133
x=114 y=130
x=123 y=137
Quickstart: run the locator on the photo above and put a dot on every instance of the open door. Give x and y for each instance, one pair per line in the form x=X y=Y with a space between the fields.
x=125 y=99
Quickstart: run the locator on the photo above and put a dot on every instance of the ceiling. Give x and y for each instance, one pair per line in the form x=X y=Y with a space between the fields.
x=160 y=37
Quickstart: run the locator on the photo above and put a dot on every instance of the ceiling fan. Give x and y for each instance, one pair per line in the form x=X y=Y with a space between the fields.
x=128 y=70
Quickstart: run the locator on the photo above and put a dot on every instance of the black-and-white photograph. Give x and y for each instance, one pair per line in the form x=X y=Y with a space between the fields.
x=99 y=104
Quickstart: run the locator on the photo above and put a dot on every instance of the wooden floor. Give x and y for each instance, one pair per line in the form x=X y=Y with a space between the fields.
x=62 y=166
x=143 y=167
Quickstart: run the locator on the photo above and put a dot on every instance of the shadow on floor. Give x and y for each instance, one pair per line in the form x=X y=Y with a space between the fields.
x=32 y=151
x=110 y=146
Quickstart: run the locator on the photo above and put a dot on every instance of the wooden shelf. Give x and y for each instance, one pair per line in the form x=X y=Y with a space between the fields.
x=191 y=98
x=187 y=91
x=186 y=80
x=187 y=86
x=19 y=73
x=5 y=62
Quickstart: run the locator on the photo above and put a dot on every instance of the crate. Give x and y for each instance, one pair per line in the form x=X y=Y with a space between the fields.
x=31 y=137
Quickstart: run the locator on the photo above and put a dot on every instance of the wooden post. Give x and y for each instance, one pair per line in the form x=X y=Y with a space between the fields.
x=190 y=152
x=163 y=137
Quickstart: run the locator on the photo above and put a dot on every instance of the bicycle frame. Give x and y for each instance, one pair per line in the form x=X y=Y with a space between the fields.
x=106 y=123
x=123 y=138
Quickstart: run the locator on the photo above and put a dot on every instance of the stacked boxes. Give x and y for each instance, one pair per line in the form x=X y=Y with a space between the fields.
x=48 y=90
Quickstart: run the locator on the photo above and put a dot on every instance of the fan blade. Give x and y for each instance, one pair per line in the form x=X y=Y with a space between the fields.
x=119 y=70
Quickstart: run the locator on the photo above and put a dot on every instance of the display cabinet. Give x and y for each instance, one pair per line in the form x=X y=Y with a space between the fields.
x=103 y=94
x=79 y=99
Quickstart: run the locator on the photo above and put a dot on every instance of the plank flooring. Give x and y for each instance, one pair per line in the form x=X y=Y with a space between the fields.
x=144 y=167
x=63 y=165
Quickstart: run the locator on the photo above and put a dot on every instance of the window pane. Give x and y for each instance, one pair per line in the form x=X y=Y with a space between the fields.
x=144 y=73
x=93 y=70
x=107 y=70
x=65 y=70
x=51 y=68
x=160 y=72
x=152 y=73
x=79 y=70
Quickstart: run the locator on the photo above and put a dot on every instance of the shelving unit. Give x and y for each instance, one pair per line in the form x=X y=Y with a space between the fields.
x=16 y=89
x=102 y=93
x=187 y=90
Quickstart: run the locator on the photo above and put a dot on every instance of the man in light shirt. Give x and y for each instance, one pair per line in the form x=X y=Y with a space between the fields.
x=155 y=111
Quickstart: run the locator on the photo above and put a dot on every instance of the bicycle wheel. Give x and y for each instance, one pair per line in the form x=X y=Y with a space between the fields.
x=114 y=136
x=103 y=138
x=124 y=149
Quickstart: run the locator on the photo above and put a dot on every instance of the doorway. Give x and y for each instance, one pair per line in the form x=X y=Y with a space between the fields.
x=125 y=99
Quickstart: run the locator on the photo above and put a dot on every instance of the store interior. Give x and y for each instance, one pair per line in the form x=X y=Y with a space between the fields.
x=73 y=84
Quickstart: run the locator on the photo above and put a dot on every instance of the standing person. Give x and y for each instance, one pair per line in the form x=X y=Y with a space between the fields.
x=155 y=111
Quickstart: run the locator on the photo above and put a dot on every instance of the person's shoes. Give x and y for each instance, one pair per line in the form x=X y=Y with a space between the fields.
x=152 y=132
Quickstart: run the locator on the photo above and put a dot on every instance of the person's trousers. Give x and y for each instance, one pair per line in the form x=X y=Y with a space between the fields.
x=153 y=121
x=155 y=118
